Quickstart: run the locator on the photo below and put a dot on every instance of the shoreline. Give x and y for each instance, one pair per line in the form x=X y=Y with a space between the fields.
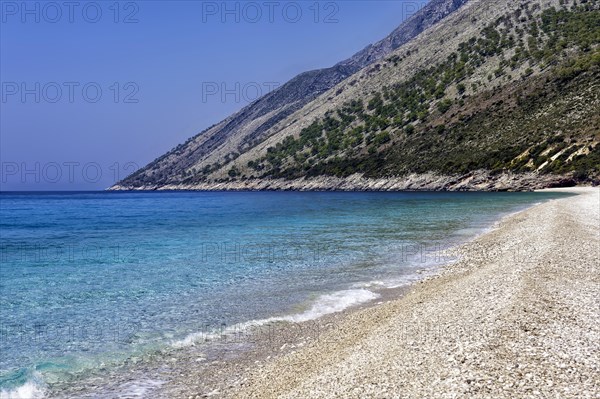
x=213 y=368
x=348 y=340
x=213 y=380
x=259 y=339
x=478 y=180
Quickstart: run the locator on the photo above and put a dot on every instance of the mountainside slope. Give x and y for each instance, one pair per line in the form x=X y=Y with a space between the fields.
x=245 y=128
x=498 y=95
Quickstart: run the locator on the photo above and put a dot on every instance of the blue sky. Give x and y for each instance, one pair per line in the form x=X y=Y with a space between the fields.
x=92 y=90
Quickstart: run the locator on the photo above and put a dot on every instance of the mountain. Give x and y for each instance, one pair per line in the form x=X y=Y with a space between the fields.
x=463 y=95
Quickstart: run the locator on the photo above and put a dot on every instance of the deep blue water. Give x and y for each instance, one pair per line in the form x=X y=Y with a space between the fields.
x=91 y=279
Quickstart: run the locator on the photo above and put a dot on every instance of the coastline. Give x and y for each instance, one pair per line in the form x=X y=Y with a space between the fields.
x=395 y=262
x=479 y=180
x=226 y=365
x=514 y=316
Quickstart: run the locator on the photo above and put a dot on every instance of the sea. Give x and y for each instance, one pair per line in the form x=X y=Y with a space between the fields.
x=91 y=280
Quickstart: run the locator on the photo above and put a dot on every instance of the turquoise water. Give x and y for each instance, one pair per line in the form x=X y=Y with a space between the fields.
x=89 y=280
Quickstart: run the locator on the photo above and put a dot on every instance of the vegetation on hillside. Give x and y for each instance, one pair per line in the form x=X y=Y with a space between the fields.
x=447 y=119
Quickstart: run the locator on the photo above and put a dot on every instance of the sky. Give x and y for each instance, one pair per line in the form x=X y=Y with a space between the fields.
x=92 y=90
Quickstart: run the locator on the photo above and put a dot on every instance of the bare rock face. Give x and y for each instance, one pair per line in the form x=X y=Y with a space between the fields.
x=479 y=180
x=250 y=124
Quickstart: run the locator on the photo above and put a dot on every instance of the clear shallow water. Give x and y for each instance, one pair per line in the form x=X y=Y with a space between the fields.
x=88 y=280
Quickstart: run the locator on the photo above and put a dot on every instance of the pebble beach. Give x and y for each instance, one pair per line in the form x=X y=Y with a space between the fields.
x=517 y=316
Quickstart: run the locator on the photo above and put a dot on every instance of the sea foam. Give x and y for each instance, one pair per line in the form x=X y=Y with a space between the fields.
x=325 y=304
x=29 y=390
